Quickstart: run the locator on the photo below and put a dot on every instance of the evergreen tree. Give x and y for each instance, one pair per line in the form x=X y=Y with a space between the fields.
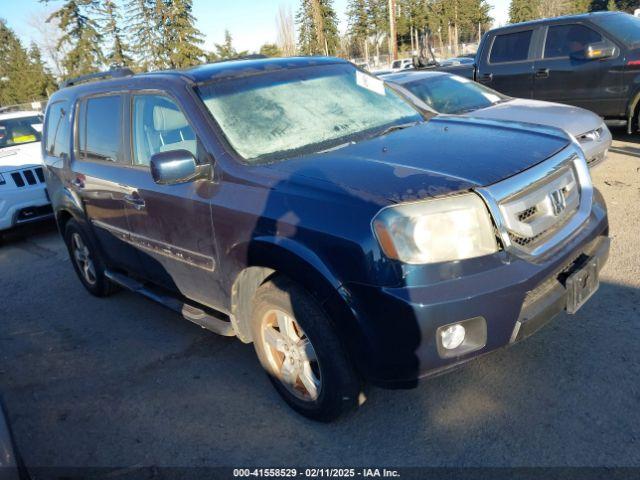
x=182 y=39
x=23 y=76
x=270 y=50
x=359 y=25
x=143 y=34
x=118 y=54
x=377 y=12
x=611 y=5
x=523 y=10
x=81 y=36
x=318 y=28
x=225 y=50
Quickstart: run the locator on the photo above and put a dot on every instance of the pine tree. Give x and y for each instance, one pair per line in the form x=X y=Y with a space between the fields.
x=318 y=28
x=377 y=11
x=23 y=76
x=118 y=54
x=143 y=34
x=523 y=10
x=270 y=50
x=225 y=50
x=359 y=25
x=81 y=36
x=182 y=39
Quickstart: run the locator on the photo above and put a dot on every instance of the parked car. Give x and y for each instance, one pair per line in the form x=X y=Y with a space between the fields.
x=302 y=205
x=590 y=61
x=445 y=93
x=450 y=62
x=23 y=196
x=403 y=64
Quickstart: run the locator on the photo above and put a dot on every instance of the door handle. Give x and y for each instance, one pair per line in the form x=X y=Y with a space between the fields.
x=135 y=201
x=487 y=78
x=542 y=73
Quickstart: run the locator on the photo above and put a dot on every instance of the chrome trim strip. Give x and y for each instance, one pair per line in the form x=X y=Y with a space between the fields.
x=161 y=248
x=497 y=193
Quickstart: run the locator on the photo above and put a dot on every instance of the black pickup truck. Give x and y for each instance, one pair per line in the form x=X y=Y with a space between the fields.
x=590 y=61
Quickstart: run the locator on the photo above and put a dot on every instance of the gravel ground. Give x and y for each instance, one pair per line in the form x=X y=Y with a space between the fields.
x=124 y=382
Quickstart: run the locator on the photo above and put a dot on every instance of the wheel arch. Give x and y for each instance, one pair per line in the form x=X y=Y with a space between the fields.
x=267 y=257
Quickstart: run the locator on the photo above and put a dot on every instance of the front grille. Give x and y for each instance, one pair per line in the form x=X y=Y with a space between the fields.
x=28 y=176
x=535 y=213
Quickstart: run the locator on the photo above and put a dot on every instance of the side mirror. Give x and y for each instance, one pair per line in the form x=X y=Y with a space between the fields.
x=595 y=51
x=176 y=166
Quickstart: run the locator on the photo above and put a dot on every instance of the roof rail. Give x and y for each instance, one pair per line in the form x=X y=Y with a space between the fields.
x=250 y=56
x=113 y=73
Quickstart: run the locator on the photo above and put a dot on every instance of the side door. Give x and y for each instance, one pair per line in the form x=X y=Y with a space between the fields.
x=507 y=64
x=171 y=224
x=562 y=76
x=98 y=170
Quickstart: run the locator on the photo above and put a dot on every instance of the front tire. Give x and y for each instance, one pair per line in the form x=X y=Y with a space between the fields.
x=301 y=352
x=87 y=260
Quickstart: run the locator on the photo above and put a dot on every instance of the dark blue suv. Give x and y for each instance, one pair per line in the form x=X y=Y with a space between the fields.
x=301 y=205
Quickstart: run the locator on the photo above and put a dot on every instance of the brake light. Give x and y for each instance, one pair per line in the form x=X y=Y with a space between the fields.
x=633 y=63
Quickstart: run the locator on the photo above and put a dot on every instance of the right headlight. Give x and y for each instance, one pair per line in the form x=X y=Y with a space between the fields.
x=438 y=230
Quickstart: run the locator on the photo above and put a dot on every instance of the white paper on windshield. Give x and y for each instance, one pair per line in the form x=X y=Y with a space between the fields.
x=370 y=83
x=37 y=127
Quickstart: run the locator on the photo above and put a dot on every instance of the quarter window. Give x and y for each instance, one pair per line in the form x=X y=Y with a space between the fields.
x=564 y=40
x=57 y=130
x=511 y=47
x=100 y=129
x=159 y=126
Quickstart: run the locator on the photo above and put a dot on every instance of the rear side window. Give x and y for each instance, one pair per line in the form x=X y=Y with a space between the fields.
x=57 y=130
x=100 y=129
x=511 y=47
x=563 y=40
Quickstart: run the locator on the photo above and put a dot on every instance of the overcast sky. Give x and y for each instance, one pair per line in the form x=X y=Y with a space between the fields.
x=251 y=22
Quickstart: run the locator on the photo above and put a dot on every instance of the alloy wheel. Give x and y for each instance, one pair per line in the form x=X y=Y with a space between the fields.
x=290 y=354
x=82 y=257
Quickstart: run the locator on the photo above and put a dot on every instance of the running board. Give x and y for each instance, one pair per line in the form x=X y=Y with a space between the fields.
x=215 y=322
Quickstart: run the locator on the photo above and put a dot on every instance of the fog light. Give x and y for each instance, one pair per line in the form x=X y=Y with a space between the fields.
x=452 y=336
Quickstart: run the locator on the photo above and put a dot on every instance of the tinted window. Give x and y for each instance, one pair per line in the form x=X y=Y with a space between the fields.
x=57 y=130
x=563 y=40
x=17 y=131
x=159 y=126
x=100 y=129
x=623 y=26
x=511 y=47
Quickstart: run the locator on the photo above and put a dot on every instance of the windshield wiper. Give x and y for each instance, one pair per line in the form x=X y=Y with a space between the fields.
x=393 y=128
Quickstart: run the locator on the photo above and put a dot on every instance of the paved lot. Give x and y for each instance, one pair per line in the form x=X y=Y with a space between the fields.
x=122 y=381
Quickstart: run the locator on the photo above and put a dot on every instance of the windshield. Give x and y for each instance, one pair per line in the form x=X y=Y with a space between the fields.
x=297 y=111
x=17 y=131
x=623 y=26
x=452 y=94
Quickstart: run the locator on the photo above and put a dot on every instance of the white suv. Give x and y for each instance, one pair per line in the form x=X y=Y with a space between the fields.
x=23 y=194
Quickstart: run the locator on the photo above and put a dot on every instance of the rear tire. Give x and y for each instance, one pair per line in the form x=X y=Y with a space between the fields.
x=87 y=260
x=300 y=351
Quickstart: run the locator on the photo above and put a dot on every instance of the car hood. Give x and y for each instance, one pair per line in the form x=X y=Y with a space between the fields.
x=444 y=155
x=20 y=156
x=574 y=120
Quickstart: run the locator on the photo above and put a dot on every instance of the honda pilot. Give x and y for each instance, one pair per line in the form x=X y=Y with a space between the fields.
x=301 y=205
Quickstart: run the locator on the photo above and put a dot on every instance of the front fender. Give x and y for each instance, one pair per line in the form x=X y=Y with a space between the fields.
x=267 y=256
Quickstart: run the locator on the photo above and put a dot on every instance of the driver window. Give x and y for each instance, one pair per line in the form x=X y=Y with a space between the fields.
x=564 y=40
x=159 y=126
